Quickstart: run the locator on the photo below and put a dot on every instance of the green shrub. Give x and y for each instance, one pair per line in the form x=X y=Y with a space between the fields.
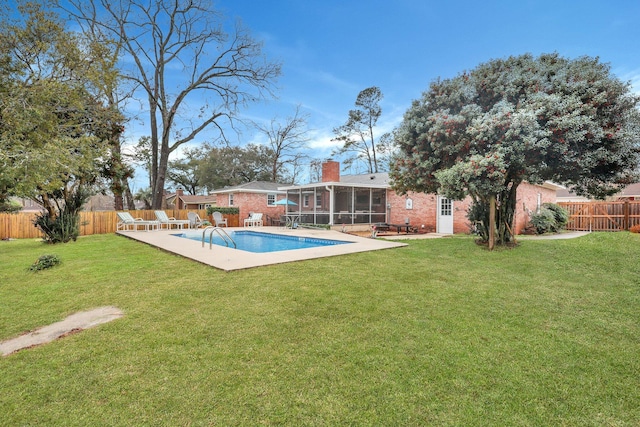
x=543 y=221
x=61 y=229
x=560 y=214
x=64 y=226
x=223 y=210
x=478 y=216
x=44 y=262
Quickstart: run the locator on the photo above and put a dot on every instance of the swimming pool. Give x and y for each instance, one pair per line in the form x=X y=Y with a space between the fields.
x=257 y=242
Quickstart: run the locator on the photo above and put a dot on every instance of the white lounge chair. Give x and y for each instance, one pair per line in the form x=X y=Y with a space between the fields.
x=219 y=220
x=128 y=222
x=194 y=220
x=168 y=222
x=255 y=220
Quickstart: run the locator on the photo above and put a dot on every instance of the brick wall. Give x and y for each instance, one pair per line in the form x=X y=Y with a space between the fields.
x=424 y=208
x=527 y=202
x=423 y=212
x=251 y=202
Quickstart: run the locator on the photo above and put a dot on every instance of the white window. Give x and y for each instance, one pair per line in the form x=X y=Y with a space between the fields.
x=305 y=199
x=271 y=199
x=318 y=201
x=446 y=208
x=230 y=199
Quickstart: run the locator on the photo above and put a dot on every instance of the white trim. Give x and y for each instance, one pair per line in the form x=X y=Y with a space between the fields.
x=334 y=184
x=247 y=190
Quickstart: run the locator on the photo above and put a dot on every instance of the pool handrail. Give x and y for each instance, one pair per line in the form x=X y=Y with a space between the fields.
x=221 y=232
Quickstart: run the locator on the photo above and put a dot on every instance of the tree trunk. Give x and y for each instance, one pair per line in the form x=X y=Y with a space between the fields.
x=153 y=173
x=492 y=222
x=505 y=215
x=118 y=203
x=130 y=202
x=158 y=199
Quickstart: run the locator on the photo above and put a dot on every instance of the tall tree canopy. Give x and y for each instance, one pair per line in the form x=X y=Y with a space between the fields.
x=192 y=73
x=226 y=166
x=54 y=125
x=519 y=119
x=184 y=172
x=357 y=134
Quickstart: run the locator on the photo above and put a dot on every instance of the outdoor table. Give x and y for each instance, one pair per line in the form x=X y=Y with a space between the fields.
x=399 y=227
x=292 y=220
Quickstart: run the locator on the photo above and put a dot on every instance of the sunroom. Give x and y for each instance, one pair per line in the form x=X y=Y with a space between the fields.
x=337 y=203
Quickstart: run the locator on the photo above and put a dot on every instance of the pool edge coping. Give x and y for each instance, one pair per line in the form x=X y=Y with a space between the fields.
x=228 y=259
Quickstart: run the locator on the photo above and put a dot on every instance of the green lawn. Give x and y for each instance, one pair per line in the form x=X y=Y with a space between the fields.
x=441 y=332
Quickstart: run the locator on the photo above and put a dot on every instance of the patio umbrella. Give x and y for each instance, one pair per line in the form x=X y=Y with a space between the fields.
x=285 y=202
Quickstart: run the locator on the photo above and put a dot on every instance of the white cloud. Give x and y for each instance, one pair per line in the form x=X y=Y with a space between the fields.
x=321 y=141
x=633 y=77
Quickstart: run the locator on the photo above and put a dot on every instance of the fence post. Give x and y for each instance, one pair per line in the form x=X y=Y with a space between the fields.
x=626 y=215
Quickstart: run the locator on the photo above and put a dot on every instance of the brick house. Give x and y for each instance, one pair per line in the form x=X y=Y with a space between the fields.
x=365 y=199
x=255 y=196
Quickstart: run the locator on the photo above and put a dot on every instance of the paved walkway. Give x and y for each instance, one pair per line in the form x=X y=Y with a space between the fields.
x=559 y=236
x=73 y=323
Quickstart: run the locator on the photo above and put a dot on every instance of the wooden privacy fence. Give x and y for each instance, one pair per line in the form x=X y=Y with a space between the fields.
x=602 y=216
x=20 y=225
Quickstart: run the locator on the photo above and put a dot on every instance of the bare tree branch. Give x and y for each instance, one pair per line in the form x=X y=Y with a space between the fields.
x=180 y=56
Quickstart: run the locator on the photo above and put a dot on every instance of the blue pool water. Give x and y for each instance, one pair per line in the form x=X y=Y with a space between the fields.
x=253 y=241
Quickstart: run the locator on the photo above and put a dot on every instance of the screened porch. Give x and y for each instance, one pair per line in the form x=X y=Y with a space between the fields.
x=337 y=204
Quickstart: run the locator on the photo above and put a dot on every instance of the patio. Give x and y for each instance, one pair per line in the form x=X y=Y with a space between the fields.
x=229 y=259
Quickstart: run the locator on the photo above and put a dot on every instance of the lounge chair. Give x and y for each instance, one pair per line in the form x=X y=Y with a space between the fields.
x=194 y=220
x=219 y=220
x=255 y=220
x=127 y=222
x=168 y=222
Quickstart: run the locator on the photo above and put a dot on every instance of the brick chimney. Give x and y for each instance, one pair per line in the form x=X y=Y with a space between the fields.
x=178 y=203
x=331 y=171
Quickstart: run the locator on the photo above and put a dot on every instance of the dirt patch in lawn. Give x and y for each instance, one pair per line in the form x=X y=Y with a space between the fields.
x=71 y=325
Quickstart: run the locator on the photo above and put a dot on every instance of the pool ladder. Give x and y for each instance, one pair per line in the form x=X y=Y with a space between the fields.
x=220 y=231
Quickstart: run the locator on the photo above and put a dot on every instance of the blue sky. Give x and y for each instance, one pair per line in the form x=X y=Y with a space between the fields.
x=332 y=49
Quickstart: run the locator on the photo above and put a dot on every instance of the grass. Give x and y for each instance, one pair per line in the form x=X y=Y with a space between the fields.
x=441 y=332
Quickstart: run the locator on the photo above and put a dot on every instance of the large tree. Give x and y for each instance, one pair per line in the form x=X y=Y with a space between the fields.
x=231 y=165
x=54 y=126
x=357 y=134
x=184 y=173
x=192 y=73
x=519 y=119
x=115 y=95
x=287 y=140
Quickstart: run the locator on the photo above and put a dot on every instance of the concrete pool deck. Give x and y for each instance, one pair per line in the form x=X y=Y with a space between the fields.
x=229 y=259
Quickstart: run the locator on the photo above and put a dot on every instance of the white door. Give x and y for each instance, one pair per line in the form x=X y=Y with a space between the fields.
x=445 y=216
